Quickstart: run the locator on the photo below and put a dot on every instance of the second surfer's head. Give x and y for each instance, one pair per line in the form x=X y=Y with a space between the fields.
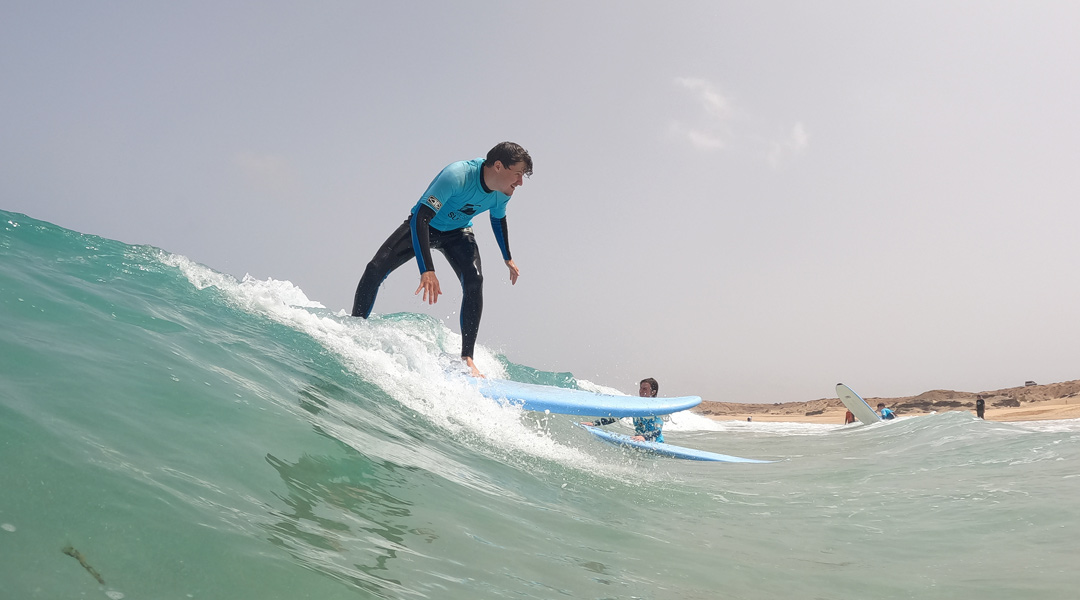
x=648 y=388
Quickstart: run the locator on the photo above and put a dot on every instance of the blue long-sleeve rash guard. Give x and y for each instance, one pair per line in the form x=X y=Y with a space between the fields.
x=452 y=199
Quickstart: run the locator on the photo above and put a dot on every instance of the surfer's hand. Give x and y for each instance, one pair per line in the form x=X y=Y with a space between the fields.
x=514 y=271
x=638 y=438
x=430 y=284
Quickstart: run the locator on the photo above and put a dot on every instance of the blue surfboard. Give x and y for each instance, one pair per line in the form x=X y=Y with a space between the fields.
x=673 y=451
x=541 y=398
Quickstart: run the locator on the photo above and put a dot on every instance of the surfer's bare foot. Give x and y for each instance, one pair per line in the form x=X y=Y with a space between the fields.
x=472 y=367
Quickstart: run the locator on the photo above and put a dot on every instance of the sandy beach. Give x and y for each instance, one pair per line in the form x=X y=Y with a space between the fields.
x=1025 y=403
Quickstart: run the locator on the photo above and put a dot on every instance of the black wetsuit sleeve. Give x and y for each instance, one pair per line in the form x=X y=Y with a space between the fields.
x=421 y=237
x=502 y=236
x=605 y=421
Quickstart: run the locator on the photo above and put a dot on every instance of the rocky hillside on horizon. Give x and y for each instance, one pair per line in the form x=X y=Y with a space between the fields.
x=934 y=400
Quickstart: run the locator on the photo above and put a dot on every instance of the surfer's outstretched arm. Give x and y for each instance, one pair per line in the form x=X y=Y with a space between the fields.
x=502 y=236
x=421 y=240
x=603 y=421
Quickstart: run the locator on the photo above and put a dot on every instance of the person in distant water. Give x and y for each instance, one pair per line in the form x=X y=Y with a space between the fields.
x=885 y=413
x=980 y=407
x=442 y=219
x=646 y=429
x=849 y=418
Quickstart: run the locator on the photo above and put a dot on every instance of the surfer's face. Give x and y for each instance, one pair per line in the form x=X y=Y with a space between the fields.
x=645 y=390
x=506 y=179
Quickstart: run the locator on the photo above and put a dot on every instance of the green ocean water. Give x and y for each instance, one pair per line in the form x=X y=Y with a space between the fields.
x=183 y=434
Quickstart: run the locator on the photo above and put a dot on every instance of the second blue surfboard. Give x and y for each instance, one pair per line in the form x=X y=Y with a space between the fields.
x=667 y=449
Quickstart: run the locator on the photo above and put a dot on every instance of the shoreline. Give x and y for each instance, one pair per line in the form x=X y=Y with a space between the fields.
x=1056 y=401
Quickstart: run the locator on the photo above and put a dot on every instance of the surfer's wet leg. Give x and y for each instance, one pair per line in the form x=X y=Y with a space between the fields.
x=472 y=306
x=464 y=257
x=395 y=251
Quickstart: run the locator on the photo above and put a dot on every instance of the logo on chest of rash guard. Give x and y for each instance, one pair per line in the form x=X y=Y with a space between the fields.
x=464 y=212
x=434 y=203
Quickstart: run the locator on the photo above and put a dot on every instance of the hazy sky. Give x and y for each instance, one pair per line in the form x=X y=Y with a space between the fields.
x=749 y=201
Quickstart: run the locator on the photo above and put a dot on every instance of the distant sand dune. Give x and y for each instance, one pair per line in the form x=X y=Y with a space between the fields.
x=1026 y=403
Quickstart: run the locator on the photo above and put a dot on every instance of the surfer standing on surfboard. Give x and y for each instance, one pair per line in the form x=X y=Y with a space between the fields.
x=442 y=219
x=646 y=429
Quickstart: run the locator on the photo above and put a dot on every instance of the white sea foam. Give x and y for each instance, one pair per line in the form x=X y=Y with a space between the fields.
x=413 y=359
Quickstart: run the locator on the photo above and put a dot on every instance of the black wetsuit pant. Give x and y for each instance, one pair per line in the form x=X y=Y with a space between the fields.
x=459 y=248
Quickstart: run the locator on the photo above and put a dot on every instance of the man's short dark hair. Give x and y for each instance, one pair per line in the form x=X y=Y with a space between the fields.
x=652 y=383
x=509 y=153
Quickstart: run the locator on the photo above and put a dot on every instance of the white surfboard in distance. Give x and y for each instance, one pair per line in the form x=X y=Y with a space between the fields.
x=856 y=405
